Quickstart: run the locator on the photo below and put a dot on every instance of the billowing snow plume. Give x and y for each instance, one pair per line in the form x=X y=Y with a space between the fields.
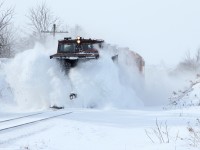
x=98 y=84
x=38 y=82
x=33 y=81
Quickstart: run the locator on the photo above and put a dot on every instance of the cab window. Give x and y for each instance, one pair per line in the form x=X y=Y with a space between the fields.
x=87 y=46
x=64 y=48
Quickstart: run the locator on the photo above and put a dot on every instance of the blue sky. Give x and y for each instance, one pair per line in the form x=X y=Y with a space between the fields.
x=159 y=30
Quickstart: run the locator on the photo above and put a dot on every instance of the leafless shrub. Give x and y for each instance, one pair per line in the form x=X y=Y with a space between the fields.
x=194 y=134
x=160 y=133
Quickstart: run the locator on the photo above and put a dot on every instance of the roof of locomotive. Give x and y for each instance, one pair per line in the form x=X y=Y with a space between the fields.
x=80 y=40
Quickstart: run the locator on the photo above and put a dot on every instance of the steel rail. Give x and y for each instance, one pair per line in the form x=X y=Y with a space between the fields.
x=20 y=117
x=40 y=120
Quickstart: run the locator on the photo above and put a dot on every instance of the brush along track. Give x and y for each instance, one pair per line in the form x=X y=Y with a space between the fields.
x=32 y=122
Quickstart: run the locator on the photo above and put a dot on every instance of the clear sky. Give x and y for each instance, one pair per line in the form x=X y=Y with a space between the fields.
x=159 y=30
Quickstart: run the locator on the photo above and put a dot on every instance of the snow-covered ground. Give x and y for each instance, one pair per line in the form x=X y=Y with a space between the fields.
x=116 y=108
x=102 y=129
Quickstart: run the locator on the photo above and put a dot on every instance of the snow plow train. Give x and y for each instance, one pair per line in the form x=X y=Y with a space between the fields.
x=70 y=51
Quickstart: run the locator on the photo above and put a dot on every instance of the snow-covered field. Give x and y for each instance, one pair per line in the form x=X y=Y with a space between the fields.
x=101 y=129
x=115 y=108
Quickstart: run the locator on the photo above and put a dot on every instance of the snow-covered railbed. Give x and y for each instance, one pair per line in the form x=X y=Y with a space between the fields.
x=105 y=129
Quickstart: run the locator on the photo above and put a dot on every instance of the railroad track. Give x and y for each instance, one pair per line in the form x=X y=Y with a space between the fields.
x=20 y=117
x=29 y=122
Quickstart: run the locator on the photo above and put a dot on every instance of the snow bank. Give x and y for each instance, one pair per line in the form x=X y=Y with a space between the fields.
x=187 y=96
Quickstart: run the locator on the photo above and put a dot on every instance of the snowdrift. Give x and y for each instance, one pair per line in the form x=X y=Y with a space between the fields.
x=188 y=96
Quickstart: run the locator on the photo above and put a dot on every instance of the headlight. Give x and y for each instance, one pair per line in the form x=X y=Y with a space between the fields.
x=78 y=41
x=78 y=38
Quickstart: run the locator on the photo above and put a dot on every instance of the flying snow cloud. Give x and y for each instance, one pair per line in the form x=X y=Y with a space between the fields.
x=38 y=82
x=99 y=84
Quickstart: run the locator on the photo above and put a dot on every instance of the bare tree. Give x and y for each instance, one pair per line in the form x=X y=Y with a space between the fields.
x=77 y=31
x=41 y=19
x=190 y=63
x=6 y=38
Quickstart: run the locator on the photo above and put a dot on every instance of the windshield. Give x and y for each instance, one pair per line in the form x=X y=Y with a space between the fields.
x=87 y=46
x=66 y=48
